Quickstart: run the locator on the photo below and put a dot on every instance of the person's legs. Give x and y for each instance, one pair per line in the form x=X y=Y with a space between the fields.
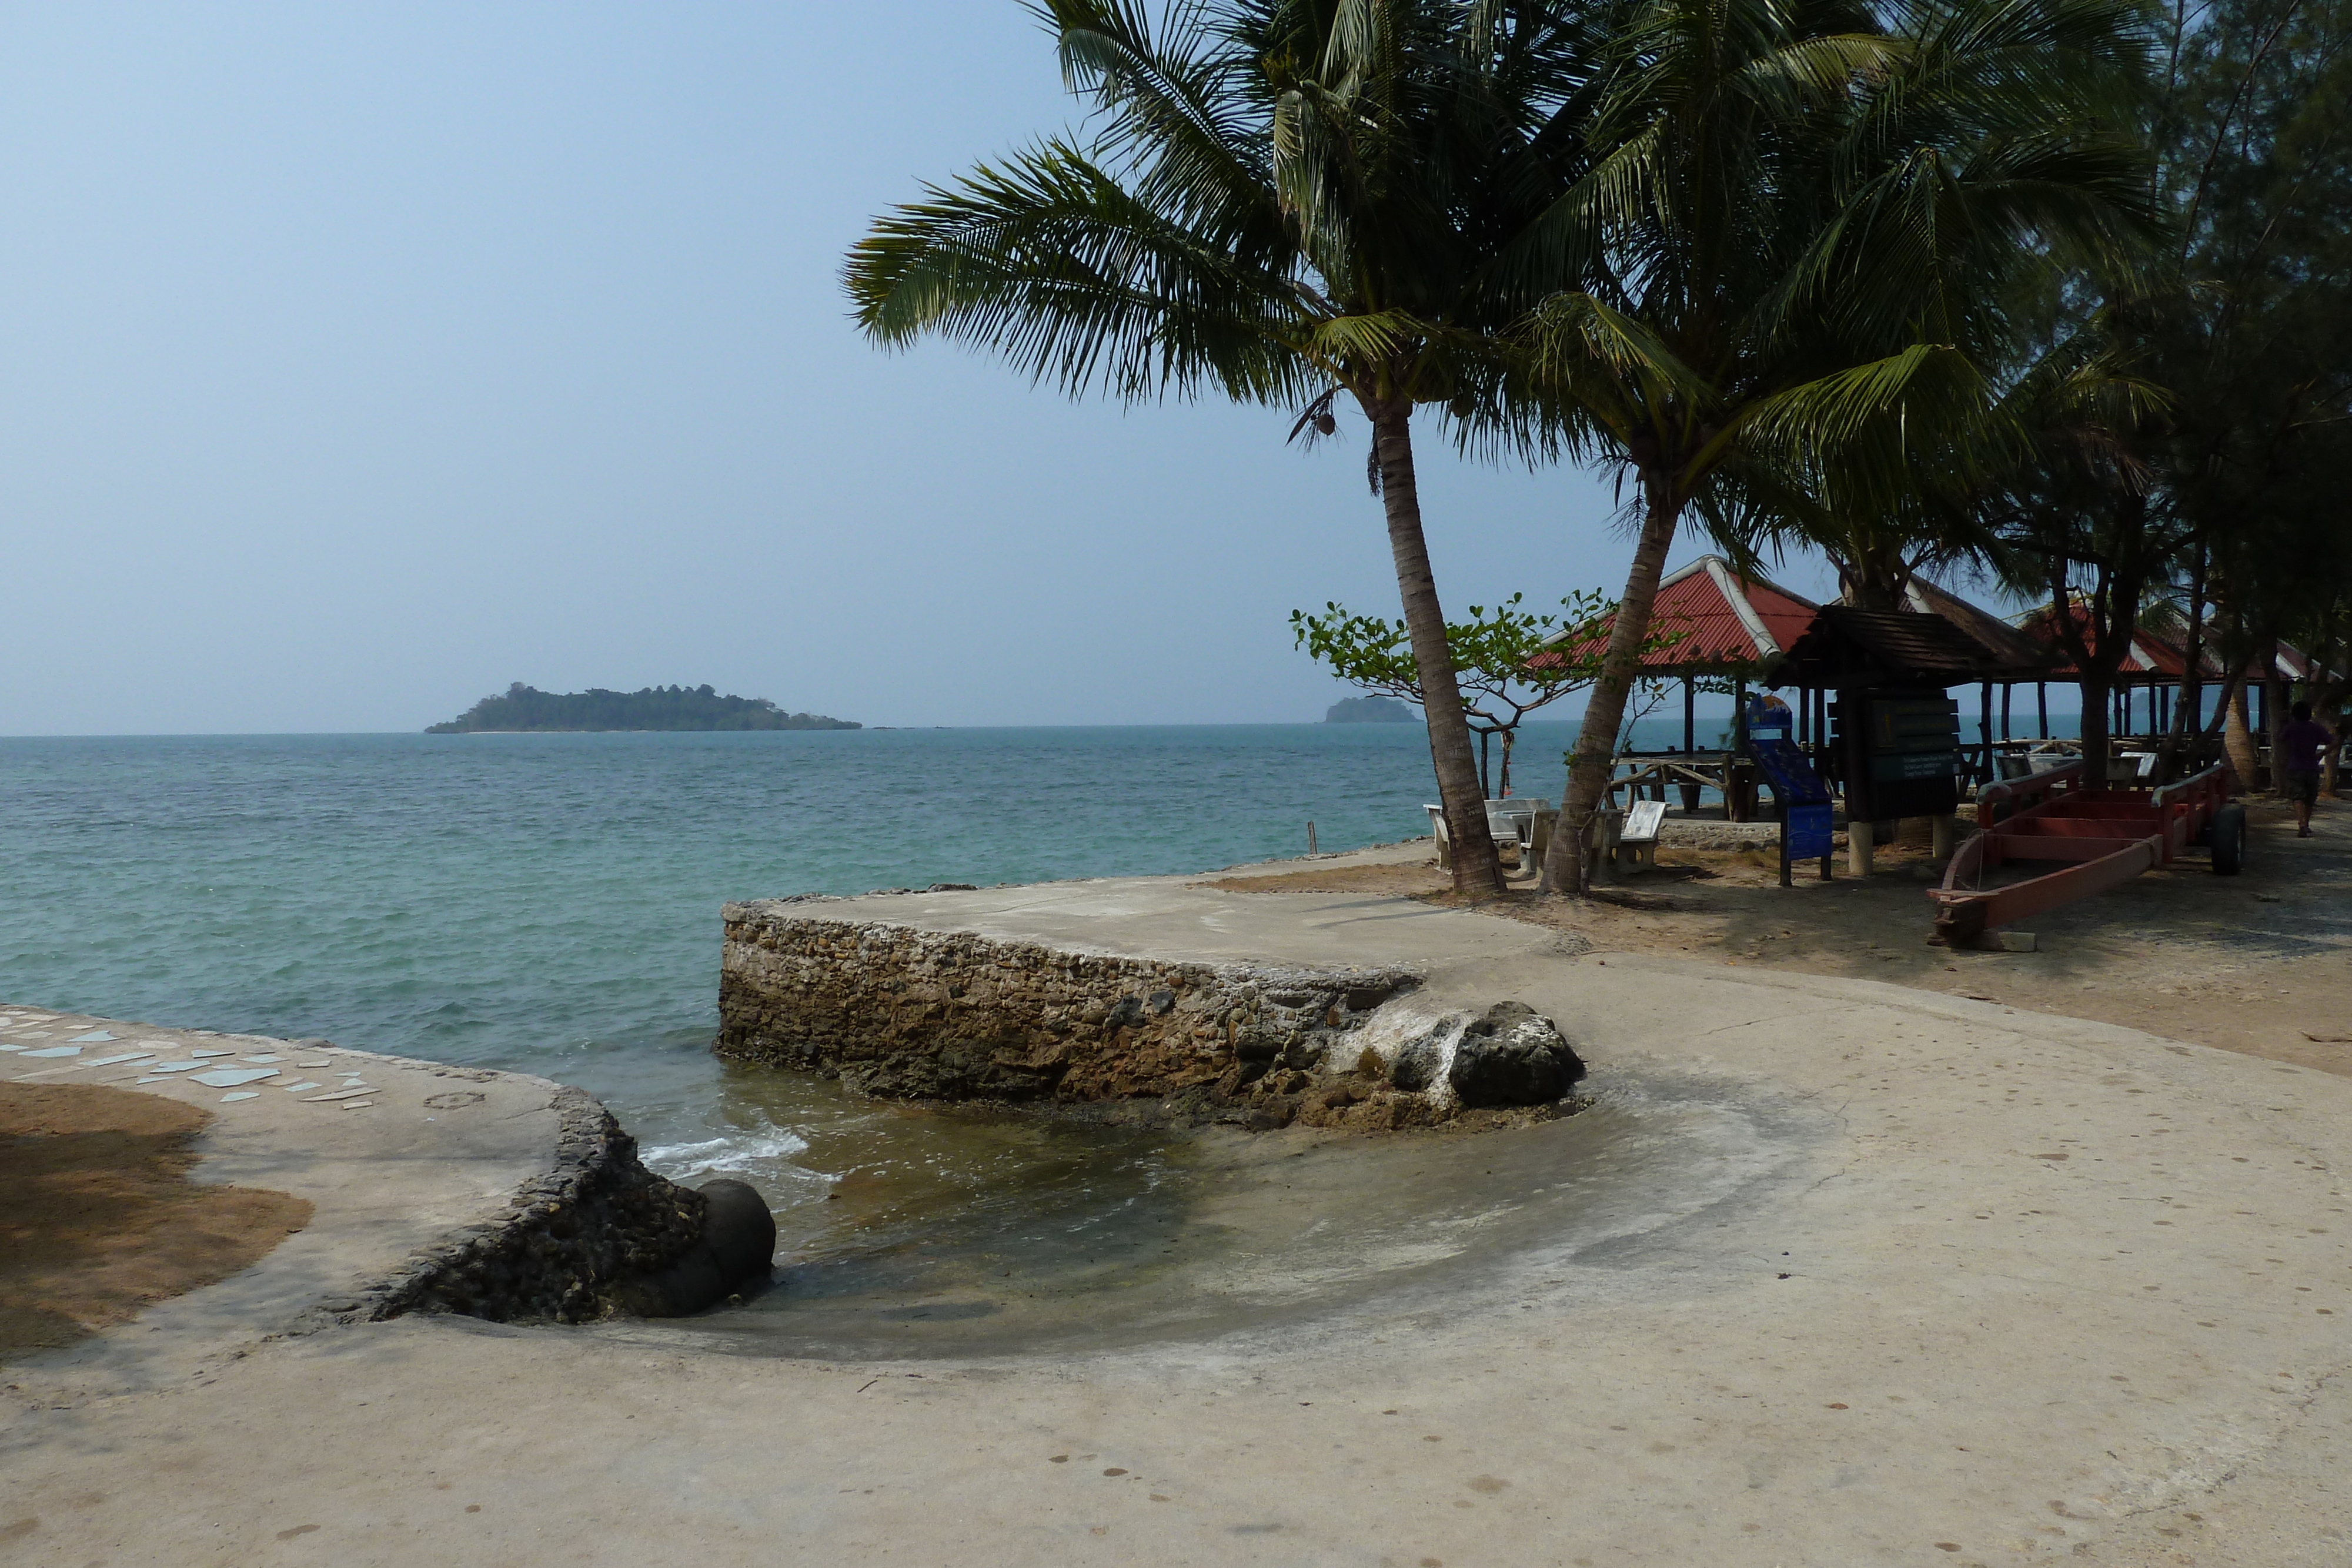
x=2305 y=790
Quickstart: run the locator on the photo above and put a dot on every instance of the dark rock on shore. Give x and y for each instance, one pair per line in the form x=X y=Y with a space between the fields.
x=1512 y=1055
x=738 y=1230
x=737 y=1247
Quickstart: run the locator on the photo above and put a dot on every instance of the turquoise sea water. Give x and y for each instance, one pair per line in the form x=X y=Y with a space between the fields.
x=550 y=903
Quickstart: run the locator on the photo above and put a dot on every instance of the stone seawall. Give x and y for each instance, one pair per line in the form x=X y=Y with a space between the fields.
x=573 y=1239
x=904 y=1012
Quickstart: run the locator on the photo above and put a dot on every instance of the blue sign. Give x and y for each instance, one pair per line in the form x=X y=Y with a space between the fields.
x=1808 y=831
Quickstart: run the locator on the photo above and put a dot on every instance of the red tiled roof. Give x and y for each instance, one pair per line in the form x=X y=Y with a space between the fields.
x=1707 y=618
x=2147 y=658
x=2294 y=663
x=2159 y=658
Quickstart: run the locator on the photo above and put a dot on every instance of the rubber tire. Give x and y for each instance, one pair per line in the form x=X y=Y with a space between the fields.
x=2229 y=840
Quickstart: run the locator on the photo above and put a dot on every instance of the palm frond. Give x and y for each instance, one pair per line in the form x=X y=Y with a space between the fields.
x=1047 y=260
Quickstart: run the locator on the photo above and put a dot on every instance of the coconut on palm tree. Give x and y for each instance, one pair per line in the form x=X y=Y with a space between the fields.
x=1293 y=203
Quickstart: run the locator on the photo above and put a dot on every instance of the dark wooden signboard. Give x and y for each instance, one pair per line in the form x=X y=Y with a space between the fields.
x=1898 y=752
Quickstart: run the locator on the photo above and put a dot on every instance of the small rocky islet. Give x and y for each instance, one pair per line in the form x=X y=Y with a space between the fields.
x=523 y=709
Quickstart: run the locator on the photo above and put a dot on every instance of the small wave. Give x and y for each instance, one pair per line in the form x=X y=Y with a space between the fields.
x=723 y=1157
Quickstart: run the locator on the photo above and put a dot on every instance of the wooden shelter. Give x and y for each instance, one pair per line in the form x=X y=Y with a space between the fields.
x=1709 y=621
x=2154 y=671
x=1907 y=658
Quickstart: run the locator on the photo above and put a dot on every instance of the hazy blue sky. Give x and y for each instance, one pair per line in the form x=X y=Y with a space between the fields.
x=362 y=358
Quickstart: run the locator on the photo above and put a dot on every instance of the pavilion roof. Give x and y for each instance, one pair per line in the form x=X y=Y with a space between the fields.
x=2151 y=660
x=1708 y=620
x=1849 y=646
x=2010 y=648
x=2159 y=653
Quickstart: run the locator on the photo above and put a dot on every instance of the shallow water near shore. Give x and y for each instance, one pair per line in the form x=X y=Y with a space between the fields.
x=963 y=1233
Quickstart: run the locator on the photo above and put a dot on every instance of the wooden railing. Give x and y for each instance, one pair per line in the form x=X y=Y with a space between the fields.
x=1997 y=801
x=2184 y=805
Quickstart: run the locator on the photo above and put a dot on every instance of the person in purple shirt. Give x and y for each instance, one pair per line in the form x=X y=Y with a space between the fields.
x=2302 y=743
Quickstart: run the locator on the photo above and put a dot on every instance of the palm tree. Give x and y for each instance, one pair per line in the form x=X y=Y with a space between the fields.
x=2073 y=519
x=1287 y=201
x=1798 y=232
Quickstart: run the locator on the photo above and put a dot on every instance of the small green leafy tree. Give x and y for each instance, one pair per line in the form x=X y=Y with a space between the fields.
x=1509 y=661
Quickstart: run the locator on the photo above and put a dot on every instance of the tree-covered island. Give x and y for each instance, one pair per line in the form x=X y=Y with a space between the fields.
x=523 y=707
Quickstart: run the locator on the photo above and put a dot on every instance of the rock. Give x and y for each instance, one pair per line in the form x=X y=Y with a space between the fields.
x=685 y=1288
x=738 y=1230
x=736 y=1248
x=1334 y=1097
x=1513 y=1056
x=1306 y=1053
x=1415 y=1067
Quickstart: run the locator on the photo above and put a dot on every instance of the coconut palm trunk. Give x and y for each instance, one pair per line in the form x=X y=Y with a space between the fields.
x=2098 y=695
x=1604 y=713
x=2238 y=739
x=1476 y=870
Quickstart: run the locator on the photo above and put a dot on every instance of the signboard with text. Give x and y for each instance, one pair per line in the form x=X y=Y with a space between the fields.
x=1899 y=753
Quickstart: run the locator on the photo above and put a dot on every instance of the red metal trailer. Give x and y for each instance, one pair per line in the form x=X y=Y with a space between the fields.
x=2103 y=836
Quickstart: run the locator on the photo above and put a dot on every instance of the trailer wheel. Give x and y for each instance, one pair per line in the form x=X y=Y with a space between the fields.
x=2229 y=840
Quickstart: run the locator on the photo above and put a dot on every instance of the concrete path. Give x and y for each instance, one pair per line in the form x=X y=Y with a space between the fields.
x=2014 y=1288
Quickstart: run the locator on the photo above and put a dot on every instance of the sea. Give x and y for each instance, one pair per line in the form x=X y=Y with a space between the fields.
x=550 y=904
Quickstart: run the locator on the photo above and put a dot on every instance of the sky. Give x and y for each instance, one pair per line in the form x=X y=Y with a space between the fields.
x=364 y=358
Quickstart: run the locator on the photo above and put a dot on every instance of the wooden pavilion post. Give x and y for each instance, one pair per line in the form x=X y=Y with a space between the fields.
x=1984 y=728
x=2041 y=705
x=1734 y=800
x=1690 y=719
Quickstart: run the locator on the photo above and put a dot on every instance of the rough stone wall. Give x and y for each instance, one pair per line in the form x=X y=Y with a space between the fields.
x=569 y=1239
x=909 y=1013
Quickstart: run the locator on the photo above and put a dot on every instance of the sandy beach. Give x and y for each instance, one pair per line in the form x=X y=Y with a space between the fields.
x=2260 y=964
x=1969 y=1258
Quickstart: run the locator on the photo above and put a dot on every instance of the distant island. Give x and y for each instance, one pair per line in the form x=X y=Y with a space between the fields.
x=656 y=707
x=1369 y=710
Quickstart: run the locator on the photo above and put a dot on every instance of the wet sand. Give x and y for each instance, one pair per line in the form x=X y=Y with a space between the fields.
x=101 y=1217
